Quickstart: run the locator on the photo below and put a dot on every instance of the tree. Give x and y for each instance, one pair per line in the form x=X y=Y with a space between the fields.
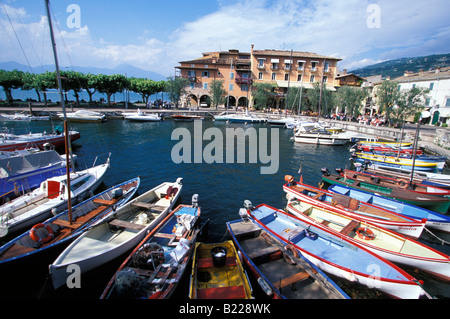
x=176 y=87
x=217 y=92
x=71 y=80
x=29 y=83
x=10 y=80
x=388 y=94
x=408 y=103
x=351 y=98
x=261 y=94
x=44 y=82
x=111 y=84
x=144 y=87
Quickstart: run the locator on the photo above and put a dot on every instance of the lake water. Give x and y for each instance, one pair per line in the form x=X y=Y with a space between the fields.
x=145 y=150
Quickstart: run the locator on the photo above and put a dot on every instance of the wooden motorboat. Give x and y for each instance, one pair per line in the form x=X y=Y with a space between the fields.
x=117 y=234
x=186 y=118
x=383 y=242
x=217 y=273
x=282 y=273
x=140 y=116
x=12 y=142
x=314 y=133
x=62 y=228
x=386 y=148
x=393 y=182
x=156 y=266
x=434 y=220
x=50 y=198
x=436 y=203
x=84 y=116
x=398 y=162
x=335 y=254
x=354 y=208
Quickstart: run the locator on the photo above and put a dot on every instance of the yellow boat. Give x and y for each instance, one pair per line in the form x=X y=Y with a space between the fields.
x=399 y=162
x=217 y=273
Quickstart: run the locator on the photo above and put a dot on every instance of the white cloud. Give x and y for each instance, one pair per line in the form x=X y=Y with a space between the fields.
x=336 y=28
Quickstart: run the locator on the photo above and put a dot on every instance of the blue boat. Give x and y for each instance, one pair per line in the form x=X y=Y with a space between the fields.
x=434 y=220
x=335 y=254
x=59 y=230
x=281 y=273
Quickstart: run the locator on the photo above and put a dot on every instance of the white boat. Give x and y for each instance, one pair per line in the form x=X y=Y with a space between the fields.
x=120 y=232
x=314 y=133
x=140 y=116
x=383 y=242
x=50 y=199
x=239 y=118
x=84 y=116
x=288 y=122
x=23 y=117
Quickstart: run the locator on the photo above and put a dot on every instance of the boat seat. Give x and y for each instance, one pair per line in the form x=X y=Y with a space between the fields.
x=208 y=262
x=349 y=227
x=291 y=280
x=151 y=207
x=125 y=224
x=234 y=292
x=65 y=223
x=263 y=252
x=103 y=201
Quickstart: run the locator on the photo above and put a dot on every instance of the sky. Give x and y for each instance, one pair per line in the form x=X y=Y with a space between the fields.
x=157 y=35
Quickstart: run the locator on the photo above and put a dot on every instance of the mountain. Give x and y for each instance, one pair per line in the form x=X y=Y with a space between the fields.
x=129 y=70
x=397 y=67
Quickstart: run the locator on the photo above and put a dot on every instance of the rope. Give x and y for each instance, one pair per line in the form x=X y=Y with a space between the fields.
x=434 y=235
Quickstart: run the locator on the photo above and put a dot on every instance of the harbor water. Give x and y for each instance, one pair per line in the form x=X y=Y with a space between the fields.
x=147 y=150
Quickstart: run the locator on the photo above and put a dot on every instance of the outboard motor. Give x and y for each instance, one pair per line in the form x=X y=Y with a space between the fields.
x=248 y=204
x=195 y=200
x=325 y=171
x=339 y=170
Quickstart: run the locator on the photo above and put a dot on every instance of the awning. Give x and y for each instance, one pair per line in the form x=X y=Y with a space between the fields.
x=426 y=114
x=274 y=60
x=288 y=61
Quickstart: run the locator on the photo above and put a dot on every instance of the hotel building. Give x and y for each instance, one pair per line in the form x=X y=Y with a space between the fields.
x=239 y=70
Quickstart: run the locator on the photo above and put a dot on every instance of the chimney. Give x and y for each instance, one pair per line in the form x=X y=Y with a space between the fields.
x=252 y=48
x=344 y=72
x=437 y=70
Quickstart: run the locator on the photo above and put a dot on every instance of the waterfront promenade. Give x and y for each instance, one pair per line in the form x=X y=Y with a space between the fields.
x=427 y=134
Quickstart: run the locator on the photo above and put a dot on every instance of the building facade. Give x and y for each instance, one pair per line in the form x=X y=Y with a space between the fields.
x=239 y=70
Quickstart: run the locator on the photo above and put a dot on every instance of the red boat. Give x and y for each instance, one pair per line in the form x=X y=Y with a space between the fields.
x=387 y=149
x=12 y=142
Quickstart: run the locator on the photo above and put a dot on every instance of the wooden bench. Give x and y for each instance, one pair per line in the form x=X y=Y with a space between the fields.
x=349 y=227
x=291 y=280
x=263 y=252
x=208 y=262
x=234 y=292
x=152 y=207
x=104 y=201
x=125 y=224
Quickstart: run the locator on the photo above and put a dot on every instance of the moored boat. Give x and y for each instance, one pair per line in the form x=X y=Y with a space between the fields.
x=217 y=273
x=398 y=162
x=66 y=226
x=383 y=242
x=155 y=267
x=314 y=133
x=50 y=198
x=281 y=272
x=118 y=233
x=140 y=116
x=354 y=208
x=12 y=142
x=433 y=219
x=334 y=254
x=186 y=118
x=436 y=203
x=84 y=116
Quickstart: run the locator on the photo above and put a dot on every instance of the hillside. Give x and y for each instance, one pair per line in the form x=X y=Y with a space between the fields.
x=397 y=67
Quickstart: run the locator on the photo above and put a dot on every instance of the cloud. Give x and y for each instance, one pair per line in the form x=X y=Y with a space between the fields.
x=335 y=28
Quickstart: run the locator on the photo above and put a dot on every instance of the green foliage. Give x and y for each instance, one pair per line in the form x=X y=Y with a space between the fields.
x=217 y=92
x=11 y=80
x=262 y=92
x=175 y=88
x=351 y=98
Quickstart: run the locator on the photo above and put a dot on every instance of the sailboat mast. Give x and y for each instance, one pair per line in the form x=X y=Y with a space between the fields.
x=66 y=131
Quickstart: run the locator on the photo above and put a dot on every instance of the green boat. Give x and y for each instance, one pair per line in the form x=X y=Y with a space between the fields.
x=436 y=203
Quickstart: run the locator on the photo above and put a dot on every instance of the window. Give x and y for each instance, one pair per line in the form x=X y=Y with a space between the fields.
x=261 y=63
x=260 y=76
x=274 y=66
x=274 y=76
x=232 y=75
x=325 y=79
x=286 y=77
x=205 y=74
x=301 y=65
x=231 y=87
x=314 y=65
x=205 y=86
x=299 y=78
x=192 y=86
x=244 y=87
x=431 y=86
x=311 y=79
x=447 y=102
x=427 y=101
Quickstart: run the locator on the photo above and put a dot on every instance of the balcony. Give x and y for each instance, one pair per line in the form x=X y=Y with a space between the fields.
x=242 y=80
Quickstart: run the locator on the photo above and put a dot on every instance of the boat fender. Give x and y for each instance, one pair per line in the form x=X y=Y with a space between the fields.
x=401 y=183
x=293 y=251
x=265 y=286
x=34 y=236
x=289 y=179
x=311 y=235
x=365 y=233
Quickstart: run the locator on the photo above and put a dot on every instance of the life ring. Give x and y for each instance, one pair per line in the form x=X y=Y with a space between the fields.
x=294 y=253
x=34 y=236
x=365 y=233
x=401 y=183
